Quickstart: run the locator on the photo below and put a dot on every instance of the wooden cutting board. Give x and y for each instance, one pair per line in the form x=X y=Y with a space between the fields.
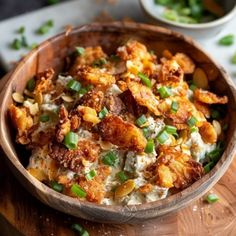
x=22 y=214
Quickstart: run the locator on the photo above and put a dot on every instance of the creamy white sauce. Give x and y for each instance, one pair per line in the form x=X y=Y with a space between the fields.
x=157 y=193
x=63 y=80
x=154 y=127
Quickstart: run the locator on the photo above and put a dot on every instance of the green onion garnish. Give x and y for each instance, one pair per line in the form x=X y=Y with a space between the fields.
x=145 y=80
x=44 y=28
x=150 y=146
x=162 y=137
x=78 y=191
x=174 y=106
x=79 y=229
x=56 y=186
x=33 y=45
x=90 y=175
x=170 y=129
x=24 y=42
x=211 y=198
x=21 y=30
x=74 y=85
x=83 y=91
x=145 y=131
x=233 y=59
x=71 y=140
x=110 y=159
x=103 y=113
x=122 y=176
x=215 y=114
x=208 y=167
x=215 y=155
x=80 y=50
x=141 y=120
x=227 y=40
x=164 y=91
x=31 y=85
x=44 y=118
x=51 y=2
x=193 y=87
x=16 y=44
x=193 y=129
x=192 y=121
x=99 y=62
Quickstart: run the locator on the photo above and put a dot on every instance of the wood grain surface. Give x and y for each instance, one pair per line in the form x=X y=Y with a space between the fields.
x=22 y=214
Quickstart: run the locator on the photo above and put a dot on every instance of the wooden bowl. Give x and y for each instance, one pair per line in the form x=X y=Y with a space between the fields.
x=51 y=54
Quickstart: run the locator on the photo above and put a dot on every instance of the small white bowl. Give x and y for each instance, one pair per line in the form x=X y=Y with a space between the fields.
x=198 y=31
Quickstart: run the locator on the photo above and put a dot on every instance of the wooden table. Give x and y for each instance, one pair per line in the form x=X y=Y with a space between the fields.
x=22 y=214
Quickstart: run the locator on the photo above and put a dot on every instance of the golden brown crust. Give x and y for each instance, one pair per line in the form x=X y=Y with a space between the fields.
x=123 y=134
x=185 y=62
x=203 y=108
x=208 y=133
x=208 y=97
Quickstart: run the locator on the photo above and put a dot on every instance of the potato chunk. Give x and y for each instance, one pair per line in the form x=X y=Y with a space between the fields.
x=123 y=134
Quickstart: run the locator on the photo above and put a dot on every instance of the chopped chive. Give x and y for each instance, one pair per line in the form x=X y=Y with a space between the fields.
x=79 y=229
x=122 y=176
x=74 y=85
x=208 y=167
x=56 y=186
x=80 y=50
x=215 y=114
x=24 y=42
x=233 y=59
x=44 y=118
x=90 y=175
x=145 y=80
x=193 y=129
x=50 y=23
x=150 y=146
x=99 y=62
x=227 y=40
x=103 y=113
x=16 y=44
x=170 y=129
x=83 y=91
x=162 y=137
x=71 y=140
x=21 y=30
x=164 y=92
x=110 y=159
x=145 y=131
x=141 y=120
x=193 y=87
x=174 y=106
x=44 y=28
x=215 y=155
x=78 y=191
x=211 y=198
x=31 y=85
x=192 y=121
x=33 y=45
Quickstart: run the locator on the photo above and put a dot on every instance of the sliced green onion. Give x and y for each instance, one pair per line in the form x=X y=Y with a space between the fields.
x=78 y=191
x=83 y=91
x=103 y=113
x=227 y=40
x=71 y=140
x=170 y=129
x=74 y=85
x=80 y=50
x=79 y=229
x=215 y=155
x=31 y=85
x=44 y=28
x=150 y=146
x=141 y=120
x=99 y=62
x=33 y=45
x=16 y=44
x=162 y=137
x=145 y=80
x=90 y=175
x=122 y=176
x=21 y=30
x=208 y=167
x=145 y=131
x=233 y=59
x=24 y=42
x=174 y=106
x=193 y=129
x=193 y=87
x=211 y=198
x=192 y=121
x=44 y=118
x=56 y=186
x=170 y=15
x=110 y=159
x=164 y=91
x=215 y=114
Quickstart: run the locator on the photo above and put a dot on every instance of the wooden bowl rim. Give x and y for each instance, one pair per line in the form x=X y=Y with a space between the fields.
x=165 y=205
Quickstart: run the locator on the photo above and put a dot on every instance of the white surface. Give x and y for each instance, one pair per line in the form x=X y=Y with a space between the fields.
x=84 y=11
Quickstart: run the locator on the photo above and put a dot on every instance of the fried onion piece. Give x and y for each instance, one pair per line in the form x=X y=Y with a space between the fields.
x=171 y=72
x=176 y=169
x=144 y=96
x=73 y=159
x=94 y=76
x=123 y=134
x=185 y=62
x=208 y=97
x=208 y=133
